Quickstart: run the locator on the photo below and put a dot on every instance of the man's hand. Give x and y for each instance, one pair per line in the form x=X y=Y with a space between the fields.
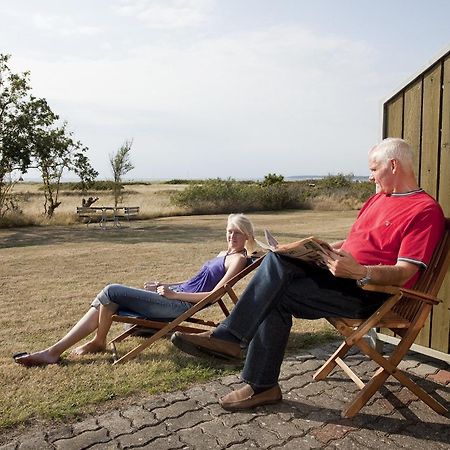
x=342 y=265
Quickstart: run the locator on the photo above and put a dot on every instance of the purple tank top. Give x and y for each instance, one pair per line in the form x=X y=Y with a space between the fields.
x=207 y=277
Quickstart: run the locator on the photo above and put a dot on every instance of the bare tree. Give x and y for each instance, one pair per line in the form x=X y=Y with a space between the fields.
x=121 y=165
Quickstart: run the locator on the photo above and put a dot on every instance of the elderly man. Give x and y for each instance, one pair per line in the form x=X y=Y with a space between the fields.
x=392 y=239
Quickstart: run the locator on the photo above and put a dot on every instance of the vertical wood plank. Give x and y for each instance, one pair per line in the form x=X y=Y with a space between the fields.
x=430 y=131
x=429 y=172
x=394 y=117
x=440 y=324
x=412 y=120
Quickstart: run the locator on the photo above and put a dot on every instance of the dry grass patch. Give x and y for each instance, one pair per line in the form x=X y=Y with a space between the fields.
x=50 y=275
x=152 y=199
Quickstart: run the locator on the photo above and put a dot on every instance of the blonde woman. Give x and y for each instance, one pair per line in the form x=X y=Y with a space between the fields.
x=155 y=300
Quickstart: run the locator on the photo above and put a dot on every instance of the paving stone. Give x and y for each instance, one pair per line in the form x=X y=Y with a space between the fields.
x=205 y=397
x=188 y=420
x=312 y=389
x=10 y=446
x=407 y=364
x=283 y=430
x=105 y=446
x=427 y=415
x=380 y=407
x=263 y=438
x=83 y=440
x=423 y=370
x=330 y=401
x=196 y=438
x=143 y=436
x=175 y=409
x=158 y=402
x=225 y=435
x=412 y=440
x=366 y=438
x=296 y=402
x=442 y=394
x=247 y=444
x=216 y=410
x=35 y=441
x=441 y=377
x=230 y=380
x=294 y=382
x=115 y=423
x=324 y=415
x=238 y=418
x=331 y=432
x=164 y=443
x=307 y=442
x=57 y=433
x=140 y=417
x=89 y=424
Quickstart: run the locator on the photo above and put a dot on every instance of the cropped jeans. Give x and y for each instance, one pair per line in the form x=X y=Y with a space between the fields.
x=283 y=288
x=145 y=303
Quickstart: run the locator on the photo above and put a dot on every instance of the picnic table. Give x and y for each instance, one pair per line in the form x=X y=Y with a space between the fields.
x=103 y=214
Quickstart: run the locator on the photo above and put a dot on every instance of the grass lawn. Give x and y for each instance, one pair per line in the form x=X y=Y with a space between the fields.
x=50 y=274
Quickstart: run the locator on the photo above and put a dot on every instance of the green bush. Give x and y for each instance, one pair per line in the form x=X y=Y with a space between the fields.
x=223 y=196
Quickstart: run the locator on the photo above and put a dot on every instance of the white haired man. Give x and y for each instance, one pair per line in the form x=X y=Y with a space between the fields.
x=392 y=239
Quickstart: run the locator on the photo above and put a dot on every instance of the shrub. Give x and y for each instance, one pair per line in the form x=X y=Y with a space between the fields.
x=223 y=196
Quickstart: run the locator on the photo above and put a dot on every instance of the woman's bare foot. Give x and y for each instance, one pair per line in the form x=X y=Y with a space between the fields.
x=89 y=347
x=41 y=358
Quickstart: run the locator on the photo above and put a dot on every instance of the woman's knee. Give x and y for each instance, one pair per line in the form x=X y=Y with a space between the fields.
x=109 y=293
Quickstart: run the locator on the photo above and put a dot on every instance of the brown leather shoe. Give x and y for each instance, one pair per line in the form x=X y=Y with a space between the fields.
x=203 y=344
x=245 y=398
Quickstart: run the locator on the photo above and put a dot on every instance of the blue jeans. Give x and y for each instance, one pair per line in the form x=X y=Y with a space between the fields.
x=140 y=301
x=282 y=288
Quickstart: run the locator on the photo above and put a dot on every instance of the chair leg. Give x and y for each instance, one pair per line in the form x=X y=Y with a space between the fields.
x=331 y=363
x=365 y=394
x=388 y=366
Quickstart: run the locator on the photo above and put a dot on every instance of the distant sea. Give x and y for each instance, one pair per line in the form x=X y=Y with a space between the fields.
x=319 y=177
x=152 y=180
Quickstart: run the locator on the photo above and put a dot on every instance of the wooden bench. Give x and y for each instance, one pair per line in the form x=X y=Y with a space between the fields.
x=89 y=214
x=100 y=214
x=128 y=211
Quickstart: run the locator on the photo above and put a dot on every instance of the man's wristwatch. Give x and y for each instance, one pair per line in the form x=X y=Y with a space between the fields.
x=364 y=280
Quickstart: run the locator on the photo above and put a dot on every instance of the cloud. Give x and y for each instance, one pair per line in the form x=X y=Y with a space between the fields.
x=62 y=25
x=247 y=95
x=166 y=14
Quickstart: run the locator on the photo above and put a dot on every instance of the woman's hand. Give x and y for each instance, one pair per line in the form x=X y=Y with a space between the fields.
x=166 y=292
x=342 y=265
x=151 y=286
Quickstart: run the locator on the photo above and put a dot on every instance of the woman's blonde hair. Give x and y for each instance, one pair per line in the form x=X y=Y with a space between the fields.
x=245 y=225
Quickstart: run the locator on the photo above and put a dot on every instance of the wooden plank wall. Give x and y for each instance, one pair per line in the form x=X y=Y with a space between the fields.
x=420 y=113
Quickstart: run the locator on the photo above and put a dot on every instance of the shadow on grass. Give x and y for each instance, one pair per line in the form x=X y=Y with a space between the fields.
x=133 y=234
x=297 y=340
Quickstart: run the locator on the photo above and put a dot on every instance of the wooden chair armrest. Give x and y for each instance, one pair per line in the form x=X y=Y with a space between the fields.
x=411 y=293
x=381 y=288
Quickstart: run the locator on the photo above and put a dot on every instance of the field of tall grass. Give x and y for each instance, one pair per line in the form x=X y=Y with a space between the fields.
x=152 y=199
x=214 y=196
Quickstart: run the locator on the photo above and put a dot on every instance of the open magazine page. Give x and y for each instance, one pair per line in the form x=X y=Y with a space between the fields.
x=310 y=249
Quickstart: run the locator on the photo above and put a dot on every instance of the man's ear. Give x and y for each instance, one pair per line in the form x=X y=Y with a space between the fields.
x=394 y=165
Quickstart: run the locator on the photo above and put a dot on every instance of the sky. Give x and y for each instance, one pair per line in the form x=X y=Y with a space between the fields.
x=223 y=88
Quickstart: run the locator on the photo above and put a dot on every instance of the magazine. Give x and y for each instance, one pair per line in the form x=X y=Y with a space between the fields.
x=310 y=249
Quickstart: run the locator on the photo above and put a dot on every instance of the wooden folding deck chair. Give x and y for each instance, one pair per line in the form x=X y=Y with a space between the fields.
x=405 y=313
x=185 y=322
